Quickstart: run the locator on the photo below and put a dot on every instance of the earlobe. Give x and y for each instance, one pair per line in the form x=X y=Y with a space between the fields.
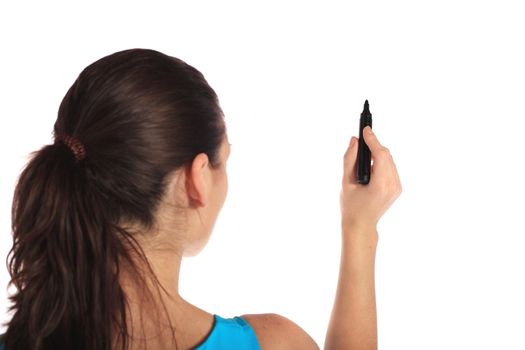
x=197 y=187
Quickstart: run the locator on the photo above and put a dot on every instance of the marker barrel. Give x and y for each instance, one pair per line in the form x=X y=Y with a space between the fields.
x=363 y=152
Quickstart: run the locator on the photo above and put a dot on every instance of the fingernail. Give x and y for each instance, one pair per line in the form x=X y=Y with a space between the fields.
x=370 y=131
x=352 y=141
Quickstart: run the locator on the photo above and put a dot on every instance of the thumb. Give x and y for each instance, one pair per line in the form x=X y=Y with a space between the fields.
x=349 y=162
x=371 y=140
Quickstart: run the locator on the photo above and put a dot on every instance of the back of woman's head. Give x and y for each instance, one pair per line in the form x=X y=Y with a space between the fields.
x=140 y=115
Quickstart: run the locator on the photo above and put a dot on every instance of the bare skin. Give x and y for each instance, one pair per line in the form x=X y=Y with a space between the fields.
x=186 y=218
x=199 y=192
x=353 y=323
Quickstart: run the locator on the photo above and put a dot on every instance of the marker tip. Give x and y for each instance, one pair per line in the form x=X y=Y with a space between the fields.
x=366 y=109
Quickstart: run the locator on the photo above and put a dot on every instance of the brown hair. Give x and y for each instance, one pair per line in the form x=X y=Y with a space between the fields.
x=140 y=115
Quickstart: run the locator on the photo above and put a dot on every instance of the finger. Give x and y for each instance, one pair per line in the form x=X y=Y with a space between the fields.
x=376 y=148
x=350 y=162
x=371 y=140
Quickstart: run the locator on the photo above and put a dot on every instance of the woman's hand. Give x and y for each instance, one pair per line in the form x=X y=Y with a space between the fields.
x=363 y=205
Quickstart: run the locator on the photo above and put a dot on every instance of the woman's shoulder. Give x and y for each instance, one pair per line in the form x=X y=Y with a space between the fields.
x=277 y=332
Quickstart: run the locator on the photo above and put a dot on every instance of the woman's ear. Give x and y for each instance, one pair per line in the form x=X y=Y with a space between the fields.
x=196 y=180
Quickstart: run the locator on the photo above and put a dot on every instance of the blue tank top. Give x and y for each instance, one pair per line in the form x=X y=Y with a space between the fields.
x=227 y=333
x=230 y=333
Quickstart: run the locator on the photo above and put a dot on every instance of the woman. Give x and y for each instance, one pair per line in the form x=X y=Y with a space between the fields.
x=133 y=182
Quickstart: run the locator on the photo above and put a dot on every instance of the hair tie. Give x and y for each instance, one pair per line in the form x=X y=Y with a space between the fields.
x=73 y=144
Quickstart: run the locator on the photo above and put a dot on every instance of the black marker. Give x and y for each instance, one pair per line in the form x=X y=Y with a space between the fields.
x=363 y=152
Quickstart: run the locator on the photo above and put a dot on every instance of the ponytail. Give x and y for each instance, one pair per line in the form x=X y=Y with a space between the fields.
x=63 y=258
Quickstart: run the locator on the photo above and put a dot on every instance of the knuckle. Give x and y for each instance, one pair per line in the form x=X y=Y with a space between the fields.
x=382 y=151
x=397 y=188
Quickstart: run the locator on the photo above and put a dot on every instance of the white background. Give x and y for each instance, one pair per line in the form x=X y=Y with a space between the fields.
x=445 y=81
